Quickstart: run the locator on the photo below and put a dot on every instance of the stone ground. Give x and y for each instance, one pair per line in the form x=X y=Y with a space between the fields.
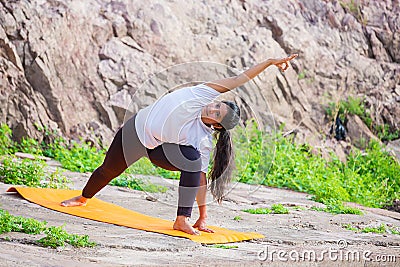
x=296 y=233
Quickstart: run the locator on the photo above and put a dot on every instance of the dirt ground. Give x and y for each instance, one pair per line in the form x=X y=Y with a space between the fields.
x=289 y=238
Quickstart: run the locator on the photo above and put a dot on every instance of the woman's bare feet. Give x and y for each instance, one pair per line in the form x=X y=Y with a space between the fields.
x=183 y=225
x=74 y=202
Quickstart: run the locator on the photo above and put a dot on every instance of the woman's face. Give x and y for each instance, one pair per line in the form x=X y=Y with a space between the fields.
x=213 y=113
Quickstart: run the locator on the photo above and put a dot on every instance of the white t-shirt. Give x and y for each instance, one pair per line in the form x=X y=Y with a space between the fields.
x=176 y=118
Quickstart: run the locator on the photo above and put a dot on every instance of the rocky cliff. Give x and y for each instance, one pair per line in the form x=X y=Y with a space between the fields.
x=78 y=66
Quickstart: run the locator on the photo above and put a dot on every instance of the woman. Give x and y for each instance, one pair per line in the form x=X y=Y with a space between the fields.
x=175 y=134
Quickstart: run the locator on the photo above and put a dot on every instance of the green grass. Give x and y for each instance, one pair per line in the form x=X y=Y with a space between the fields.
x=11 y=223
x=5 y=139
x=55 y=236
x=145 y=167
x=378 y=230
x=279 y=209
x=385 y=133
x=254 y=153
x=381 y=229
x=58 y=237
x=349 y=227
x=166 y=173
x=258 y=211
x=74 y=156
x=30 y=173
x=237 y=218
x=336 y=207
x=56 y=180
x=21 y=172
x=138 y=184
x=368 y=177
x=394 y=231
x=275 y=209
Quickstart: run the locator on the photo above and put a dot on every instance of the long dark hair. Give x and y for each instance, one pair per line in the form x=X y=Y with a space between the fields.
x=224 y=156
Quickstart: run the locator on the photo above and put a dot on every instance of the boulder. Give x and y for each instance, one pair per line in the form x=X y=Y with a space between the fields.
x=358 y=132
x=73 y=64
x=394 y=147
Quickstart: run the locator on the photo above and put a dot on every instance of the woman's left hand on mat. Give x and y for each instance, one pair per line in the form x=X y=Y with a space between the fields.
x=74 y=202
x=201 y=225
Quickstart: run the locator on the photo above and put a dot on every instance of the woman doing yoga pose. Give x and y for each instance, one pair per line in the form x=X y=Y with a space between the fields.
x=175 y=133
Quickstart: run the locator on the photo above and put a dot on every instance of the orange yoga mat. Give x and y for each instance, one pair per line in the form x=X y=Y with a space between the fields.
x=102 y=211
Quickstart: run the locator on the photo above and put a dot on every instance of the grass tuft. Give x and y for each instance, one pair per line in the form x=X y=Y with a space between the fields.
x=275 y=209
x=138 y=184
x=55 y=236
x=381 y=229
x=30 y=173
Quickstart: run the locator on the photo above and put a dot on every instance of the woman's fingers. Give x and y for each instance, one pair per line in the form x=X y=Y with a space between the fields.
x=292 y=56
x=283 y=65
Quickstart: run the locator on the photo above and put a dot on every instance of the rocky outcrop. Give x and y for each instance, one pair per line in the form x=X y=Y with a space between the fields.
x=79 y=66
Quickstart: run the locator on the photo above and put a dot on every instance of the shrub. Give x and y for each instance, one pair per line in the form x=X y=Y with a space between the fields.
x=369 y=177
x=55 y=236
x=30 y=173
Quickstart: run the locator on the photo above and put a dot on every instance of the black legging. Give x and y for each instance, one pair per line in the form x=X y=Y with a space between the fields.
x=126 y=149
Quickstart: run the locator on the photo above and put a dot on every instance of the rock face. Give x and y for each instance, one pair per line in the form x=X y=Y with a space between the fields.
x=78 y=66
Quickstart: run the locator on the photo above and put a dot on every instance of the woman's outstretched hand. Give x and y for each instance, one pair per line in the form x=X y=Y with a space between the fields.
x=201 y=225
x=74 y=202
x=282 y=63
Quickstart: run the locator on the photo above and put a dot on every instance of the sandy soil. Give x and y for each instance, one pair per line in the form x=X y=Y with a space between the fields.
x=296 y=234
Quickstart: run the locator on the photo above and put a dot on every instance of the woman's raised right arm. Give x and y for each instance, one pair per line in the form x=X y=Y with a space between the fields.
x=227 y=84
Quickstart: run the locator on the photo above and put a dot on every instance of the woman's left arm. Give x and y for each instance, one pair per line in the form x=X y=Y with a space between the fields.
x=201 y=202
x=227 y=84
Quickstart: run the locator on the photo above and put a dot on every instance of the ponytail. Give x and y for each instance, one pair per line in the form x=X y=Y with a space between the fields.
x=221 y=172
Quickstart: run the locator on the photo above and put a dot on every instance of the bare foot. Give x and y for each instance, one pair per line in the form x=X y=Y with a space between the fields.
x=74 y=202
x=183 y=225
